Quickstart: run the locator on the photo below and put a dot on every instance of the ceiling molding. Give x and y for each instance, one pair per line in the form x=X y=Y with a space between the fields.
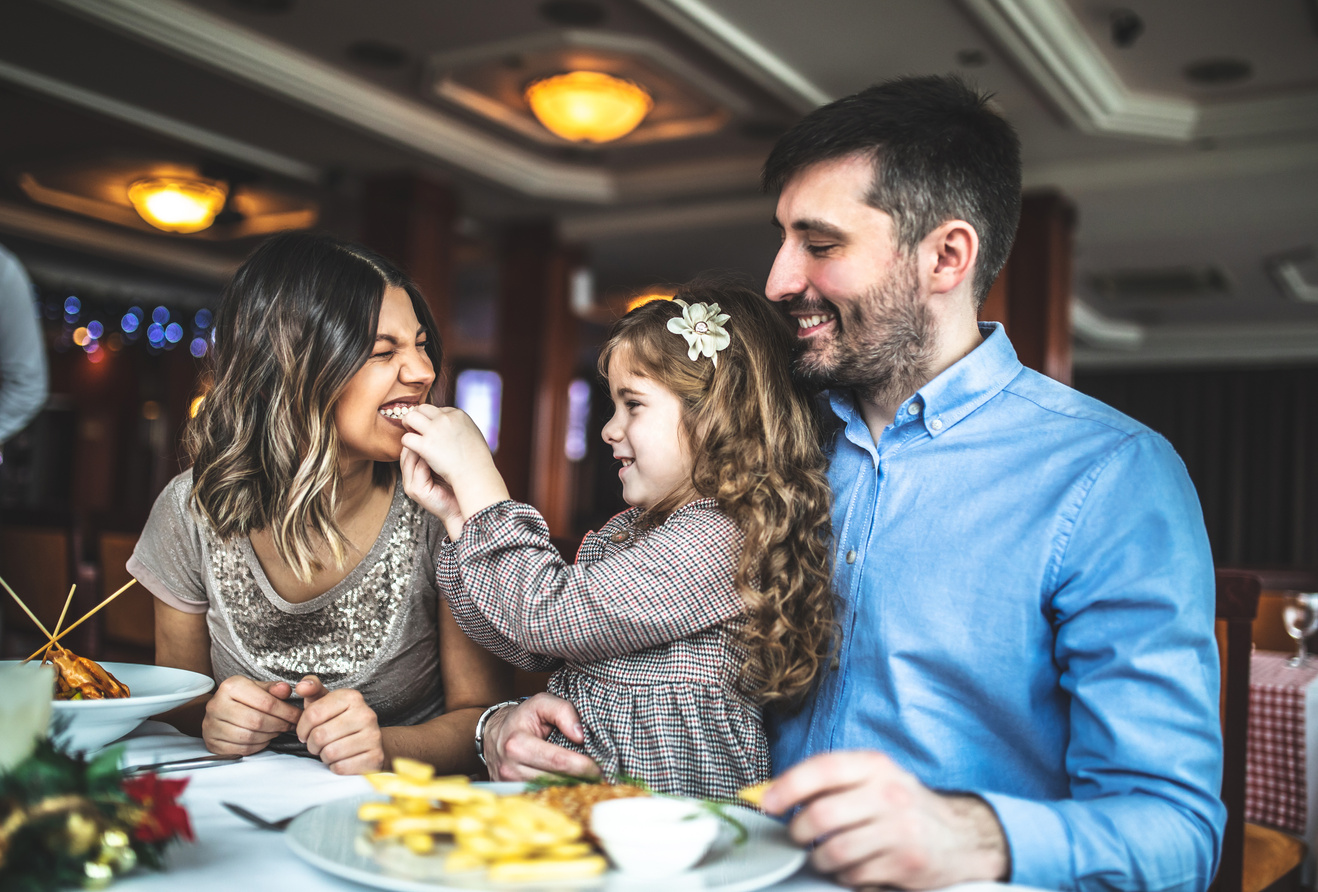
x=651 y=220
x=1047 y=41
x=1050 y=44
x=734 y=46
x=276 y=68
x=106 y=241
x=180 y=131
x=1209 y=345
x=1097 y=330
x=1089 y=175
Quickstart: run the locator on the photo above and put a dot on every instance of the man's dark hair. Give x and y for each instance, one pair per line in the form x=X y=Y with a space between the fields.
x=939 y=154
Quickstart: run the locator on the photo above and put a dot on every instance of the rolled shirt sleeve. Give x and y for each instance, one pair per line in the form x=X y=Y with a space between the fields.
x=1133 y=607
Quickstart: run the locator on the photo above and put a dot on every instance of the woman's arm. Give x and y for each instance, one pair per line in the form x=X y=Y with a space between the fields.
x=242 y=715
x=473 y=680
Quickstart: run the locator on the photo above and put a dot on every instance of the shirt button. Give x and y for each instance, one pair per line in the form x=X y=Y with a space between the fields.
x=851 y=556
x=913 y=408
x=936 y=425
x=621 y=536
x=835 y=665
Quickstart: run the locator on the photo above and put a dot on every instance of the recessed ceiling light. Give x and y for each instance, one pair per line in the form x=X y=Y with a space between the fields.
x=176 y=204
x=377 y=54
x=971 y=58
x=572 y=13
x=1218 y=72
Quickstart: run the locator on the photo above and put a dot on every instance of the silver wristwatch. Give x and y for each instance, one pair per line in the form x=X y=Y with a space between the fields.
x=485 y=716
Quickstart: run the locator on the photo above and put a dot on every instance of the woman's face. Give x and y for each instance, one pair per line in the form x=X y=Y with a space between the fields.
x=396 y=377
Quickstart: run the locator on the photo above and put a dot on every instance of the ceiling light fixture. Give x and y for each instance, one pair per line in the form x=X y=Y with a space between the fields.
x=588 y=106
x=175 y=204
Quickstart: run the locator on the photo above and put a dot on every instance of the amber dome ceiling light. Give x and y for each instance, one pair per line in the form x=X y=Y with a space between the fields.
x=175 y=204
x=588 y=106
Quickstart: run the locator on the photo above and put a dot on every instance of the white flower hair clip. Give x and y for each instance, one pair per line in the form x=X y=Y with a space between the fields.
x=702 y=326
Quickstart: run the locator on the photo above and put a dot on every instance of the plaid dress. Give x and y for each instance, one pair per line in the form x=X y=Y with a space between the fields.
x=642 y=630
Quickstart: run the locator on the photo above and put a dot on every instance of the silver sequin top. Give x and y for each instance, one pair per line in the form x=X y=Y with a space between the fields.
x=376 y=631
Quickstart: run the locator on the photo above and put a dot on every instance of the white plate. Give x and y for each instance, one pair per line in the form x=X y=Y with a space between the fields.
x=331 y=838
x=155 y=689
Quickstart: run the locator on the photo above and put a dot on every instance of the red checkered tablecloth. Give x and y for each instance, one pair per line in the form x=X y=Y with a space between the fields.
x=1276 y=788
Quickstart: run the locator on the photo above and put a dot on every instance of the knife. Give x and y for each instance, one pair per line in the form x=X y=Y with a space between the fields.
x=184 y=764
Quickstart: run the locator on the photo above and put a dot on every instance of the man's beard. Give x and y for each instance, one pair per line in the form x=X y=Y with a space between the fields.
x=882 y=347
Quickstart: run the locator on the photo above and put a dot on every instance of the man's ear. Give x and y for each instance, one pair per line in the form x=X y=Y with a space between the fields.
x=950 y=253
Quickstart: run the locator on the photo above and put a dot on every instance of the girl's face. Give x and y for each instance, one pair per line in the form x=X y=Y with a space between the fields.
x=647 y=436
x=397 y=376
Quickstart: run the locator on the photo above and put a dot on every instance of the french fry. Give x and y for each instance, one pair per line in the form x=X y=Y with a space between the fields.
x=443 y=789
x=532 y=870
x=401 y=826
x=419 y=843
x=421 y=772
x=755 y=794
x=377 y=811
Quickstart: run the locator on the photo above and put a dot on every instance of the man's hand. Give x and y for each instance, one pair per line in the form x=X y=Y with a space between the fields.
x=516 y=748
x=244 y=715
x=340 y=728
x=876 y=825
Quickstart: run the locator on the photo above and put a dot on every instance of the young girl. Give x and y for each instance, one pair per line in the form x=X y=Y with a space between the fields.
x=704 y=602
x=287 y=560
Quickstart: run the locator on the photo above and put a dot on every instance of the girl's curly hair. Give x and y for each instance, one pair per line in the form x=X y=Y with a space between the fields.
x=755 y=440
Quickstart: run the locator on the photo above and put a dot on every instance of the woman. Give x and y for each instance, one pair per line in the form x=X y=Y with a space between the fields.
x=288 y=563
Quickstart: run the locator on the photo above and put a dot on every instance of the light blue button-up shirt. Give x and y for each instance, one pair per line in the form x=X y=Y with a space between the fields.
x=1028 y=615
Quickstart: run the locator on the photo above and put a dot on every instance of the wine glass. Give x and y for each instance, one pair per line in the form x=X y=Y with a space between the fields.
x=1299 y=614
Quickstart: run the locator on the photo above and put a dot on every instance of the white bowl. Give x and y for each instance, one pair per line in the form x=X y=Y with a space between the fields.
x=155 y=689
x=653 y=836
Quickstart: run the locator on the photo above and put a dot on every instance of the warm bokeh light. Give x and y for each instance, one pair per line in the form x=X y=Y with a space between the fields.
x=642 y=299
x=80 y=337
x=178 y=205
x=151 y=410
x=588 y=105
x=196 y=406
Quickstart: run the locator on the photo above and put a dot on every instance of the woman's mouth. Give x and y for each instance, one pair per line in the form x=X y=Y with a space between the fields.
x=394 y=412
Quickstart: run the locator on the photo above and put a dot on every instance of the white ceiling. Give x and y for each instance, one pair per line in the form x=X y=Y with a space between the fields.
x=1164 y=173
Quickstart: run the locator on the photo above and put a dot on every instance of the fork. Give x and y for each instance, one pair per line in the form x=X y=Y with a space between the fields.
x=258 y=821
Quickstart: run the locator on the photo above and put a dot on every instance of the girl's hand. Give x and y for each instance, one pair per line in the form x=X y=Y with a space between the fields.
x=340 y=728
x=431 y=492
x=455 y=449
x=244 y=715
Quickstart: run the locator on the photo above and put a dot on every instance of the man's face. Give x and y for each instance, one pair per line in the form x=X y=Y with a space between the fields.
x=855 y=297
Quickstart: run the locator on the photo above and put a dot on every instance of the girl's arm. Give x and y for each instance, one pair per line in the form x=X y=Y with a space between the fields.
x=473 y=680
x=675 y=581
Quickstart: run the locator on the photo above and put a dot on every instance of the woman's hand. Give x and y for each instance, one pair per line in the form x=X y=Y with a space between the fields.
x=340 y=728
x=455 y=449
x=244 y=715
x=516 y=748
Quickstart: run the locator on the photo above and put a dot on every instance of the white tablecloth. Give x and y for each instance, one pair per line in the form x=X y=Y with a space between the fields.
x=231 y=855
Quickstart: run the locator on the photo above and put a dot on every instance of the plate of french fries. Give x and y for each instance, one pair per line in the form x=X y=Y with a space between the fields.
x=420 y=832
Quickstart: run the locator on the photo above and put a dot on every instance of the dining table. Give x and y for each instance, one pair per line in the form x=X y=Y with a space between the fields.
x=229 y=853
x=1281 y=751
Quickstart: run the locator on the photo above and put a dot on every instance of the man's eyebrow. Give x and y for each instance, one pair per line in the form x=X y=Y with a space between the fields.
x=819 y=226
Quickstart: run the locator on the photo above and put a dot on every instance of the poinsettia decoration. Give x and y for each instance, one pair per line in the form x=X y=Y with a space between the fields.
x=66 y=820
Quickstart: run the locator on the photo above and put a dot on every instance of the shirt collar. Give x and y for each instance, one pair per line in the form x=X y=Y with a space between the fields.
x=962 y=388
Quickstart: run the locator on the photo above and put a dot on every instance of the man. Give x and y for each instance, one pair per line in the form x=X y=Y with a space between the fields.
x=22 y=351
x=1026 y=686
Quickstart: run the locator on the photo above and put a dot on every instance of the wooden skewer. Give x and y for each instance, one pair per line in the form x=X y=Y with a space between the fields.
x=87 y=616
x=32 y=616
x=59 y=622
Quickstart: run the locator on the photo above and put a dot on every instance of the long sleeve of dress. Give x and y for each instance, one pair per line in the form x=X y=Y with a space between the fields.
x=504 y=576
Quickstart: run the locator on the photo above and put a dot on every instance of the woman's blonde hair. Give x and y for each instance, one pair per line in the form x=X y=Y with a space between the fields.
x=755 y=445
x=294 y=325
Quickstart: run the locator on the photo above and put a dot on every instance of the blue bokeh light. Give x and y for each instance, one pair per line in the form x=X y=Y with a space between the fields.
x=198 y=347
x=72 y=305
x=174 y=333
x=155 y=333
x=95 y=329
x=129 y=323
x=160 y=315
x=203 y=318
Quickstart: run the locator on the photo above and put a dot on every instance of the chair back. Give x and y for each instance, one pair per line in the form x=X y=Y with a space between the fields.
x=129 y=621
x=37 y=563
x=1237 y=605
